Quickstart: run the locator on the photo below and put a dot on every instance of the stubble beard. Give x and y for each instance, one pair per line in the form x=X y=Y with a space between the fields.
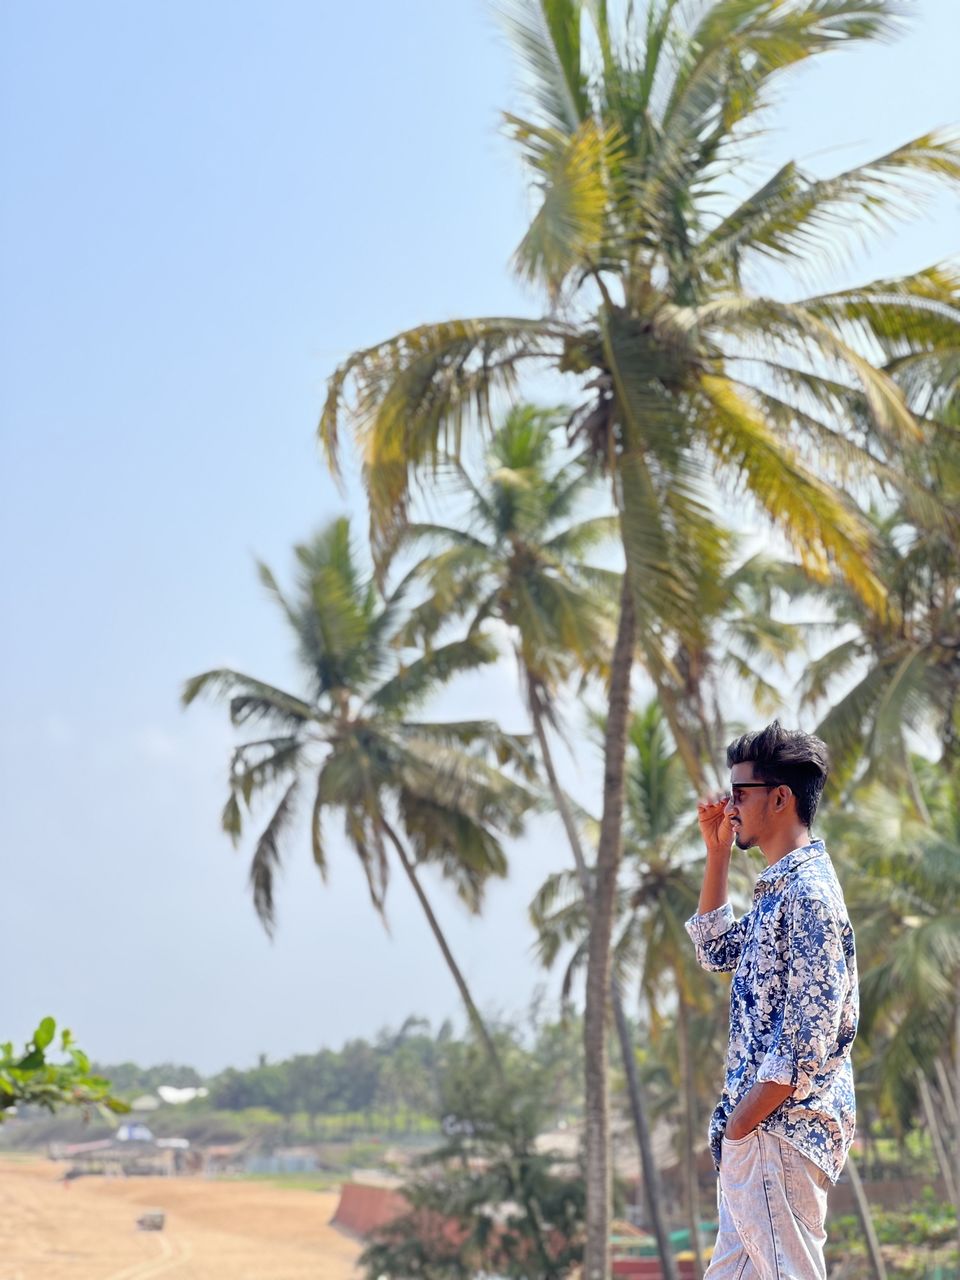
x=743 y=842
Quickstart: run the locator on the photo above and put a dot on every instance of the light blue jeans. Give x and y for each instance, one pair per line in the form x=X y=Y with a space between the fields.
x=772 y=1202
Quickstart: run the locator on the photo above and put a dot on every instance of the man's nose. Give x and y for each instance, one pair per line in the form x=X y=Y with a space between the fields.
x=729 y=807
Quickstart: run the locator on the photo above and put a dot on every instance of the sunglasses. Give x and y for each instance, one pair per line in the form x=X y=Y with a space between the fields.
x=746 y=786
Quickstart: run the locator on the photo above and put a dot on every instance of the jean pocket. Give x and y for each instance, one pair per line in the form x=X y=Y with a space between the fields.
x=739 y=1142
x=805 y=1185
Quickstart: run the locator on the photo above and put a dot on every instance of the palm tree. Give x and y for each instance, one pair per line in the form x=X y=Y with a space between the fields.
x=906 y=893
x=521 y=563
x=664 y=895
x=422 y=792
x=463 y=1219
x=740 y=644
x=643 y=247
x=517 y=556
x=657 y=895
x=905 y=664
x=507 y=560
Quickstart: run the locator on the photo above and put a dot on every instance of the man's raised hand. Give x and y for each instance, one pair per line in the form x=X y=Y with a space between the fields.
x=714 y=824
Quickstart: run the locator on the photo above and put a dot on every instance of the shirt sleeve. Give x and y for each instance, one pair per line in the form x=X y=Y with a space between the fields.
x=718 y=938
x=817 y=983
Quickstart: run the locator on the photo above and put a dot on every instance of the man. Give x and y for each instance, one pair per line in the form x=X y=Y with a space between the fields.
x=785 y=1120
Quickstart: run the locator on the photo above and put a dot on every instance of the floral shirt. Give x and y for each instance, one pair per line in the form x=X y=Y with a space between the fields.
x=794 y=1003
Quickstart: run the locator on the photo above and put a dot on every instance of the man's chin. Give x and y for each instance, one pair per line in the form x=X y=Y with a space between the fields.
x=743 y=842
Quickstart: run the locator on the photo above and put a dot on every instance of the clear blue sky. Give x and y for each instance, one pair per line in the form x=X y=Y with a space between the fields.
x=204 y=208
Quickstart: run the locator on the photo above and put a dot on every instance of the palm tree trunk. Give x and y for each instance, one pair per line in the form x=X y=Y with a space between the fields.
x=952 y=1121
x=637 y=1104
x=869 y=1143
x=473 y=1013
x=479 y=1026
x=559 y=796
x=689 y=1150
x=939 y=1150
x=866 y=1222
x=651 y=1176
x=923 y=813
x=946 y=1089
x=598 y=1171
x=685 y=745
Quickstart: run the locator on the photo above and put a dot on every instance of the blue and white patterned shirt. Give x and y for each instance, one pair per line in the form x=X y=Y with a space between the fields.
x=794 y=1003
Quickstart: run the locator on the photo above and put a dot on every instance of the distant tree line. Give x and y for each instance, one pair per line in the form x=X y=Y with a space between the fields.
x=399 y=1072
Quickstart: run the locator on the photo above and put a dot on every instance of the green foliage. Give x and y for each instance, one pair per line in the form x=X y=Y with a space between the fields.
x=696 y=392
x=659 y=888
x=518 y=554
x=489 y=1199
x=646 y=247
x=914 y=1238
x=902 y=879
x=905 y=663
x=31 y=1078
x=355 y=741
x=388 y=1086
x=128 y=1079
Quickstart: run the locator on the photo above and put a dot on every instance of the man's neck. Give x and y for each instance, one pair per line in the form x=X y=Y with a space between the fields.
x=785 y=842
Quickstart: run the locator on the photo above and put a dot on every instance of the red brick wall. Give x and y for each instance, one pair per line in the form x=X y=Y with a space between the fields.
x=363 y=1208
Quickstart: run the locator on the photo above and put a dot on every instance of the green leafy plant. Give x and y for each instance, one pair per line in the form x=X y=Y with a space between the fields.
x=491 y=1199
x=31 y=1078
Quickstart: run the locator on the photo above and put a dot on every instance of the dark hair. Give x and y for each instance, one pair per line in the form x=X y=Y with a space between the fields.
x=798 y=760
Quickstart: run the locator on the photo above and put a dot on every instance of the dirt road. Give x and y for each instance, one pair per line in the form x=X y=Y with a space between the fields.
x=86 y=1229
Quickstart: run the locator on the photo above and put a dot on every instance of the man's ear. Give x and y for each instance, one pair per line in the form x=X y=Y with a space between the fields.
x=784 y=796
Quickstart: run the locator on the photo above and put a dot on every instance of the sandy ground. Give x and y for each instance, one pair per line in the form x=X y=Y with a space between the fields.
x=86 y=1230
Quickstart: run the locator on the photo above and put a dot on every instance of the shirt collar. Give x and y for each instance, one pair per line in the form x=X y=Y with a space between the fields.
x=786 y=865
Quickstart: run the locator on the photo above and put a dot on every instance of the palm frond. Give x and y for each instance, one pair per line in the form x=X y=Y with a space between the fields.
x=231 y=819
x=765 y=697
x=418 y=531
x=467 y=852
x=820 y=525
x=266 y=577
x=413 y=394
x=837 y=458
x=576 y=540
x=721 y=76
x=920 y=311
x=272 y=758
x=254 y=701
x=454 y=577
x=336 y=621
x=650 y=421
x=572 y=175
x=845 y=726
x=512 y=750
x=414 y=683
x=366 y=839
x=797 y=329
x=267 y=857
x=317 y=846
x=794 y=216
x=763 y=575
x=444 y=776
x=820 y=673
x=900 y=705
x=558 y=915
x=560 y=626
x=547 y=36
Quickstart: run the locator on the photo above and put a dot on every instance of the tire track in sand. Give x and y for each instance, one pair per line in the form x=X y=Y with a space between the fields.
x=174 y=1252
